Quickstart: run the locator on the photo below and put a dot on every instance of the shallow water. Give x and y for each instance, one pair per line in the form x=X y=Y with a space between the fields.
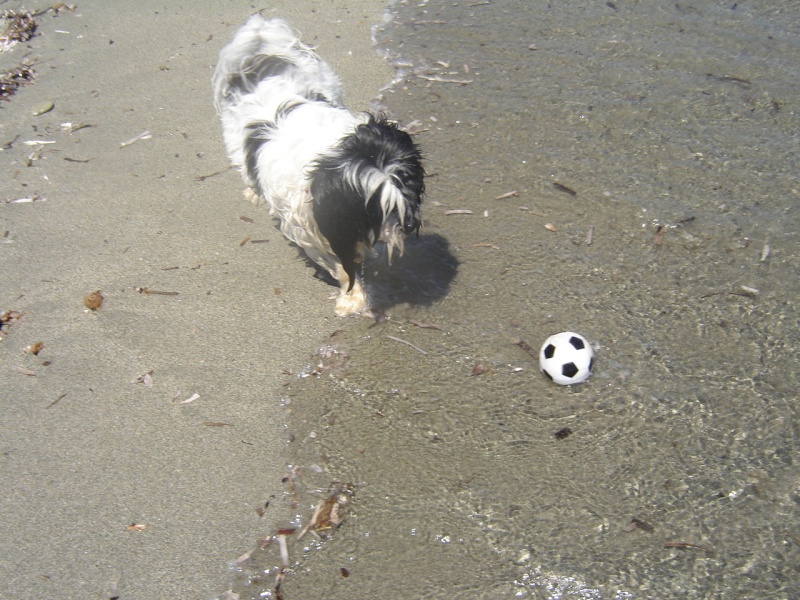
x=671 y=131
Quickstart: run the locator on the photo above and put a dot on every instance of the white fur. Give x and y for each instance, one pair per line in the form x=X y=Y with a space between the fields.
x=313 y=128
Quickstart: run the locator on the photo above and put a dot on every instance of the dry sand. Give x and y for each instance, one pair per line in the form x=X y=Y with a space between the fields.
x=84 y=451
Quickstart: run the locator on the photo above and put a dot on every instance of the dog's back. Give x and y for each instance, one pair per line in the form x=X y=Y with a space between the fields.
x=268 y=51
x=262 y=74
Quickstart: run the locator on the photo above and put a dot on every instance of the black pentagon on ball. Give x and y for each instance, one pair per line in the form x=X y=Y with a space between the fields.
x=576 y=342
x=569 y=370
x=549 y=351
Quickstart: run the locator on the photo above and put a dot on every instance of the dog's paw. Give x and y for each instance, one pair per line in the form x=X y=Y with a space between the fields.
x=354 y=302
x=252 y=197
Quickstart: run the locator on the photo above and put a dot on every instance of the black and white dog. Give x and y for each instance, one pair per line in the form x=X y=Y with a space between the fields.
x=338 y=182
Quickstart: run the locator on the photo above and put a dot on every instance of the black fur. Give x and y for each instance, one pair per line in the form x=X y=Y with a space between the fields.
x=344 y=216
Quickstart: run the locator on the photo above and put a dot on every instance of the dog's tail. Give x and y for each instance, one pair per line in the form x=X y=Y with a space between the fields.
x=265 y=50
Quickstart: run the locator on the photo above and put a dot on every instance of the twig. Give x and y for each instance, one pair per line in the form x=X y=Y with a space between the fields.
x=54 y=402
x=426 y=325
x=313 y=521
x=148 y=292
x=562 y=188
x=204 y=177
x=283 y=550
x=145 y=135
x=284 y=565
x=688 y=545
x=746 y=291
x=397 y=339
x=438 y=79
x=527 y=347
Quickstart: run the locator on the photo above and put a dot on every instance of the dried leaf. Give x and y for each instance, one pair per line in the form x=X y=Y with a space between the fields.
x=93 y=300
x=35 y=348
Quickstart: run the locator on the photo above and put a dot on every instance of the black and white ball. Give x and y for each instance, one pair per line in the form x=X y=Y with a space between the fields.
x=566 y=358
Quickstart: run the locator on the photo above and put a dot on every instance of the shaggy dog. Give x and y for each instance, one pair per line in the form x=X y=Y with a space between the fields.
x=338 y=182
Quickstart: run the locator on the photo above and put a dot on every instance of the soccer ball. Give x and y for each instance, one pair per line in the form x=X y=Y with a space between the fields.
x=566 y=358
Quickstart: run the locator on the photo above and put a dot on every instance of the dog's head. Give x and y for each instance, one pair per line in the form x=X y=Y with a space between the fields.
x=368 y=189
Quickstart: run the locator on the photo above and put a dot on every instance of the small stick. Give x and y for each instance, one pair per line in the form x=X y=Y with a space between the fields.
x=749 y=291
x=765 y=253
x=54 y=402
x=149 y=292
x=145 y=135
x=426 y=325
x=562 y=188
x=525 y=346
x=688 y=545
x=284 y=550
x=533 y=212
x=486 y=245
x=458 y=211
x=290 y=476
x=204 y=177
x=313 y=521
x=443 y=80
x=191 y=398
x=589 y=235
x=510 y=194
x=397 y=339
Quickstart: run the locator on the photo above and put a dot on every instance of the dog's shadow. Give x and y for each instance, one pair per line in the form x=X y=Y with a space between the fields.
x=420 y=277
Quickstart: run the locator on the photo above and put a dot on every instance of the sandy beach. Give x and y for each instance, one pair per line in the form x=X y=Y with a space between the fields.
x=113 y=483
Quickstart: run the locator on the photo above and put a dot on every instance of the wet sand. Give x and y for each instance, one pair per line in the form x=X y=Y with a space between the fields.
x=671 y=131
x=87 y=450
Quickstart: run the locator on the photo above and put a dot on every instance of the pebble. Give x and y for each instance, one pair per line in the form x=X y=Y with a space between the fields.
x=41 y=108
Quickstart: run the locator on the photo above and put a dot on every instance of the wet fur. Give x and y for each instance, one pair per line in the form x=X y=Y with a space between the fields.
x=338 y=182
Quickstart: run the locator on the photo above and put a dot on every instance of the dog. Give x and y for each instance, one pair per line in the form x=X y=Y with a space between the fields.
x=338 y=182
